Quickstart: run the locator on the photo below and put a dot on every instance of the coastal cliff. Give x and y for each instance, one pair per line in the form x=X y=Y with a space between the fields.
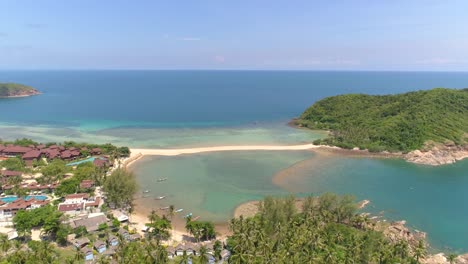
x=12 y=90
x=424 y=127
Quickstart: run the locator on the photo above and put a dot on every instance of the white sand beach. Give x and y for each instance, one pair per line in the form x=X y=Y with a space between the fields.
x=175 y=152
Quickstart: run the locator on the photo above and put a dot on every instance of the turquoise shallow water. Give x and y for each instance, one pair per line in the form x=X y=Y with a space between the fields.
x=167 y=109
x=213 y=184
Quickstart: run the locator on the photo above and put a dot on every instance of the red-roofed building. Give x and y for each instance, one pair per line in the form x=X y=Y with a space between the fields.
x=9 y=173
x=32 y=155
x=96 y=151
x=63 y=207
x=52 y=153
x=66 y=155
x=41 y=146
x=10 y=209
x=101 y=163
x=86 y=184
x=15 y=150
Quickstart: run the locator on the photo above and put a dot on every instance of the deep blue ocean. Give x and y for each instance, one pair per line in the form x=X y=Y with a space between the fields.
x=199 y=108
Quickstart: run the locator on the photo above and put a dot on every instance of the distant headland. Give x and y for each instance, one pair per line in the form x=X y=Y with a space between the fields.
x=13 y=90
x=426 y=127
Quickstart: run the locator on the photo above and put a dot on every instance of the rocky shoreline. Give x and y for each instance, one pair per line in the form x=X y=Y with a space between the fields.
x=435 y=156
x=439 y=154
x=23 y=94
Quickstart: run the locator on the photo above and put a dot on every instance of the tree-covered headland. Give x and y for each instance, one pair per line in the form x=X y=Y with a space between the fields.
x=400 y=122
x=15 y=89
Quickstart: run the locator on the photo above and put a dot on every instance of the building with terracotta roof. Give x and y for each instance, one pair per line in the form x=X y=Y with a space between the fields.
x=101 y=162
x=10 y=209
x=96 y=151
x=15 y=150
x=32 y=155
x=66 y=208
x=66 y=155
x=9 y=173
x=86 y=184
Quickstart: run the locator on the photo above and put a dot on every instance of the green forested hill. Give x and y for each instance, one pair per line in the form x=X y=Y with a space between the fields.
x=401 y=122
x=14 y=89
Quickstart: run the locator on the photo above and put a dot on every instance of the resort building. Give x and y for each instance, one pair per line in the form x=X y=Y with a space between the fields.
x=90 y=223
x=100 y=246
x=13 y=151
x=88 y=253
x=31 y=155
x=86 y=184
x=81 y=242
x=76 y=198
x=71 y=208
x=10 y=209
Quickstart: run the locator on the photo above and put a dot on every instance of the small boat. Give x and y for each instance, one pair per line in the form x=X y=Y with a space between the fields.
x=162 y=179
x=160 y=197
x=178 y=210
x=188 y=215
x=164 y=208
x=146 y=191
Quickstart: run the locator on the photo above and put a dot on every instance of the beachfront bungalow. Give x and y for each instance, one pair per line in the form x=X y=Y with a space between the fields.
x=88 y=253
x=170 y=252
x=100 y=246
x=81 y=242
x=113 y=241
x=124 y=233
x=179 y=250
x=191 y=249
x=120 y=216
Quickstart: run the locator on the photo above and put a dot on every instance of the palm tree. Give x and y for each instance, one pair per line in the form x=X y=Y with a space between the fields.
x=5 y=244
x=79 y=255
x=419 y=251
x=185 y=258
x=171 y=211
x=203 y=252
x=153 y=216
x=451 y=258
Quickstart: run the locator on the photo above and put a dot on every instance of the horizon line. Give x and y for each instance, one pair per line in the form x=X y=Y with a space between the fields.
x=233 y=70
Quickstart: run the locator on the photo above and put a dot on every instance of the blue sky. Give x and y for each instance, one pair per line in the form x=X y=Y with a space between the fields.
x=241 y=34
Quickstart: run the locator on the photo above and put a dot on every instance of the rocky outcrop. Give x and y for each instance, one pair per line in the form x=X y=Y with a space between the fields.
x=397 y=231
x=441 y=258
x=440 y=154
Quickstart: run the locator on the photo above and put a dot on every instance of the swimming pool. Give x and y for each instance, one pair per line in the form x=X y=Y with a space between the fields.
x=76 y=163
x=10 y=199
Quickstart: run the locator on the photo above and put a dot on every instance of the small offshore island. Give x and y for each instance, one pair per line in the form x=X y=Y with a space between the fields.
x=14 y=90
x=425 y=127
